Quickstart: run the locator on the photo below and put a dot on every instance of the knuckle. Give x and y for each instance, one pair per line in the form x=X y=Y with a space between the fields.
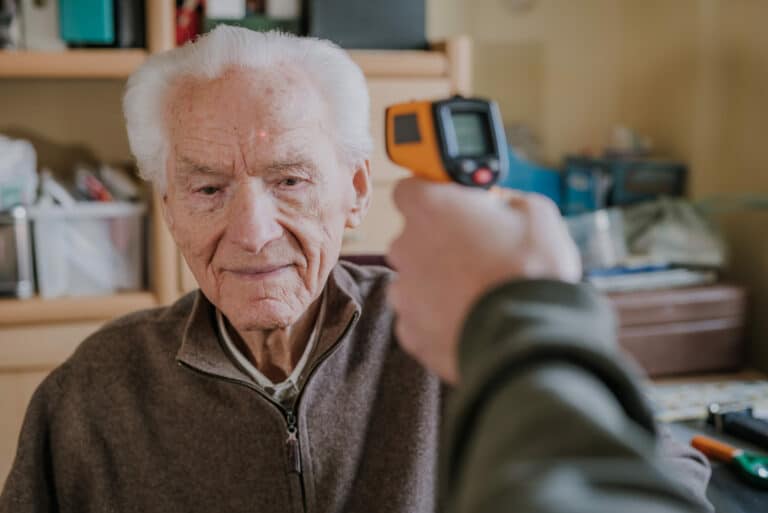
x=401 y=193
x=541 y=203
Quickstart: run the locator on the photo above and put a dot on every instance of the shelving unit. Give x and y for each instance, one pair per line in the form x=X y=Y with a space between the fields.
x=106 y=63
x=38 y=334
x=120 y=63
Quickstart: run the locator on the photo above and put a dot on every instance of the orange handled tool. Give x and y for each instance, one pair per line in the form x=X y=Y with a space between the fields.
x=457 y=139
x=752 y=468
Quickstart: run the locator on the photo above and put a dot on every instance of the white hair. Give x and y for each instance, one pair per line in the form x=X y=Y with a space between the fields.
x=339 y=80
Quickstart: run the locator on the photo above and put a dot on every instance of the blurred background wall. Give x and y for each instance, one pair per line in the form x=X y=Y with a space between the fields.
x=691 y=74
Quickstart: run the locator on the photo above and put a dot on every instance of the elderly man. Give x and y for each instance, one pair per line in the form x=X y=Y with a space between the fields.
x=279 y=386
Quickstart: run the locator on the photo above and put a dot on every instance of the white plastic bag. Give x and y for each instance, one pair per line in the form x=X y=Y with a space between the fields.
x=675 y=231
x=18 y=173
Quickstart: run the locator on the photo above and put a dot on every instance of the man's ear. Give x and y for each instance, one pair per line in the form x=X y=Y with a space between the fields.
x=361 y=182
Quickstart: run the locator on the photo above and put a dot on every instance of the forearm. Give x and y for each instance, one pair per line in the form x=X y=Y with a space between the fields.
x=556 y=452
x=547 y=419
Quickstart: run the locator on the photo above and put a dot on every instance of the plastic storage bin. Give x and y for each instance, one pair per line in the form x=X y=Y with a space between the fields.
x=600 y=238
x=88 y=249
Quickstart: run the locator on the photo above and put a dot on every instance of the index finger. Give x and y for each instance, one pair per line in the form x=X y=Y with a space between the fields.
x=408 y=192
x=413 y=194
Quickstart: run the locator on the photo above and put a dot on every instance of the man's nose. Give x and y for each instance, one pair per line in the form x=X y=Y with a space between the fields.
x=253 y=218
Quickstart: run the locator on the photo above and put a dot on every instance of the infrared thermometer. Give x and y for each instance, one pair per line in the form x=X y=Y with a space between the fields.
x=457 y=139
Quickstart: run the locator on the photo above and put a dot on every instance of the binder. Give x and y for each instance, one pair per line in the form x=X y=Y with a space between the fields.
x=115 y=23
x=373 y=24
x=87 y=22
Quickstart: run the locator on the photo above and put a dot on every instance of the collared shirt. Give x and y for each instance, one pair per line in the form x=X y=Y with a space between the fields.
x=287 y=390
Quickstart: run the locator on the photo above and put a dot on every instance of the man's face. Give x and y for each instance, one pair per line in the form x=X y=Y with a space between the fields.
x=257 y=199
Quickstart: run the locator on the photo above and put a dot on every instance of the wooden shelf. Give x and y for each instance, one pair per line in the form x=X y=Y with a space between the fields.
x=115 y=63
x=89 y=63
x=401 y=63
x=86 y=308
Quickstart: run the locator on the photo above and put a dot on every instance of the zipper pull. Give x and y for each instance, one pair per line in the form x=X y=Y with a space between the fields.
x=292 y=445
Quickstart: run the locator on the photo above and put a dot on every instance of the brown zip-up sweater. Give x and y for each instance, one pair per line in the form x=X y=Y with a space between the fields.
x=133 y=422
x=150 y=415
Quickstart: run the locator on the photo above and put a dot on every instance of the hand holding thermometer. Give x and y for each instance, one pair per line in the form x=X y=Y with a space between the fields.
x=458 y=139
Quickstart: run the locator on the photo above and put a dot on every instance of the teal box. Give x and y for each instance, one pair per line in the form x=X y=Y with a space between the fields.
x=87 y=22
x=530 y=177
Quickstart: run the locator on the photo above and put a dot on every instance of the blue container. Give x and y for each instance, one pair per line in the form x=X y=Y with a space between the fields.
x=586 y=185
x=591 y=184
x=529 y=177
x=87 y=22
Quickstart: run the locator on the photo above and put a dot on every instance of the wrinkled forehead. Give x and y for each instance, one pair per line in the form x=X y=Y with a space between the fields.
x=244 y=102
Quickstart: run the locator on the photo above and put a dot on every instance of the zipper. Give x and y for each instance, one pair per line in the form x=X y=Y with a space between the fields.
x=292 y=444
x=289 y=414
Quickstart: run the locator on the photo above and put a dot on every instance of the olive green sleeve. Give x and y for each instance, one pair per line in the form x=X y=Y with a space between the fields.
x=547 y=417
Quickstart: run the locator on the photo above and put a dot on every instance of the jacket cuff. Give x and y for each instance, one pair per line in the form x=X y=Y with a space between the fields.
x=547 y=307
x=520 y=324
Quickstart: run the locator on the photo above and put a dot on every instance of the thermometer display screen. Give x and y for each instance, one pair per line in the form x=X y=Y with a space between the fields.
x=473 y=138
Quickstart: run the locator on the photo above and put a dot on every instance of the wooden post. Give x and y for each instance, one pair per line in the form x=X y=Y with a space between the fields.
x=161 y=16
x=458 y=50
x=164 y=273
x=163 y=256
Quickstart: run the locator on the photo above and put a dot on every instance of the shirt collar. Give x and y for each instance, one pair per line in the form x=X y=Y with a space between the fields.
x=202 y=350
x=291 y=383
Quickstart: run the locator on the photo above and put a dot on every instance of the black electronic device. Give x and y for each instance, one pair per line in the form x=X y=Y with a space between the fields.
x=368 y=24
x=740 y=423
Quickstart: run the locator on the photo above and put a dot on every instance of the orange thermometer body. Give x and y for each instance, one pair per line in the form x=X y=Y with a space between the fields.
x=457 y=139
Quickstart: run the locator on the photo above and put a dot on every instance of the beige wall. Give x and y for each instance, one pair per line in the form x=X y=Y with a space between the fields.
x=737 y=158
x=573 y=68
x=692 y=74
x=44 y=110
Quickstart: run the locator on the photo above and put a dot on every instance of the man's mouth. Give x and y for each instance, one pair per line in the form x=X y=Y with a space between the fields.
x=260 y=271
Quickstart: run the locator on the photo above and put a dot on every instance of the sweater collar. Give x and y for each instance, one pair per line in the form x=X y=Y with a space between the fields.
x=201 y=348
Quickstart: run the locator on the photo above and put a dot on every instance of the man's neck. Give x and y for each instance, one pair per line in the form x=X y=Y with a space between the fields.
x=275 y=353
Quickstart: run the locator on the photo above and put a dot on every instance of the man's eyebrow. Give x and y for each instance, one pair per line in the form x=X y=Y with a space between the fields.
x=192 y=166
x=292 y=165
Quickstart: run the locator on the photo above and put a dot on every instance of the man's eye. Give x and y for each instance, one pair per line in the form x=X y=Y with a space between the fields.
x=209 y=190
x=291 y=182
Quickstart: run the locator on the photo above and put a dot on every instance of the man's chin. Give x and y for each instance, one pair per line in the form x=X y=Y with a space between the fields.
x=263 y=314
